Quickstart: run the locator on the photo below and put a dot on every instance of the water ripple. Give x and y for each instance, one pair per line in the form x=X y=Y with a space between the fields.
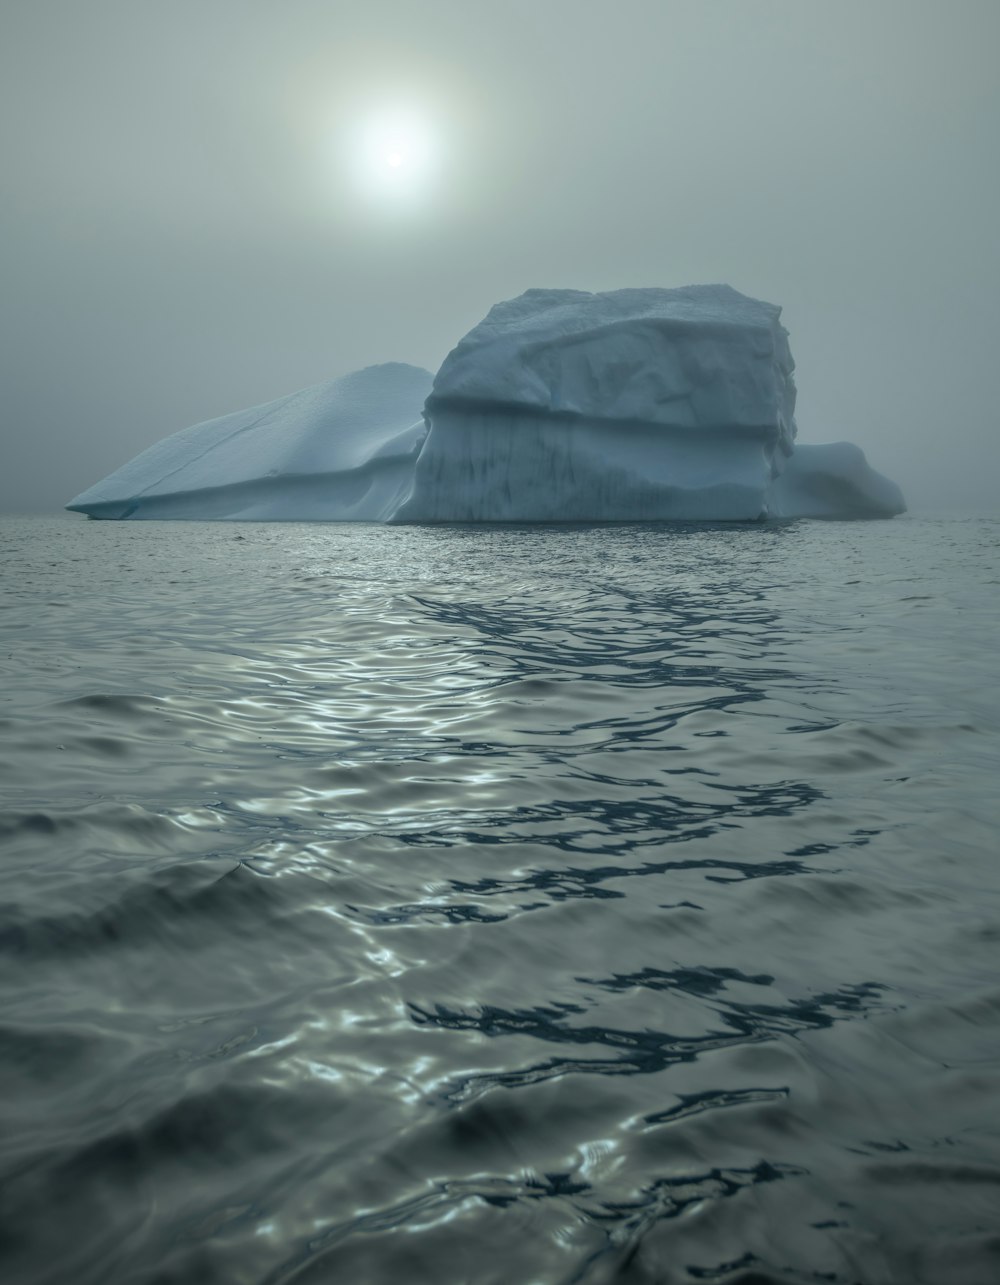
x=578 y=904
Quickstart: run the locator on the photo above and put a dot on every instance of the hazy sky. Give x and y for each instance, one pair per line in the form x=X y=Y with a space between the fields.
x=183 y=232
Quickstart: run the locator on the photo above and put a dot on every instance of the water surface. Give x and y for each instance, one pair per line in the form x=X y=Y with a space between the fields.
x=482 y=904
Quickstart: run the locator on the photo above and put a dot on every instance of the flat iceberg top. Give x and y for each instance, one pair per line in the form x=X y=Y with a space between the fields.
x=573 y=312
x=329 y=428
x=693 y=357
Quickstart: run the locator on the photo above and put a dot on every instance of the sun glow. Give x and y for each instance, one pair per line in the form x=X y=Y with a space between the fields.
x=395 y=157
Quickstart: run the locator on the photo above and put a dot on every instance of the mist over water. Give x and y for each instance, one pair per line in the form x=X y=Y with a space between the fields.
x=487 y=904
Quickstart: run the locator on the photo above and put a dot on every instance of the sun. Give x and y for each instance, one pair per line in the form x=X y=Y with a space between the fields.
x=396 y=157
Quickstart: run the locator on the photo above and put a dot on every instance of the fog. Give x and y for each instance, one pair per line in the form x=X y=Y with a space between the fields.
x=183 y=233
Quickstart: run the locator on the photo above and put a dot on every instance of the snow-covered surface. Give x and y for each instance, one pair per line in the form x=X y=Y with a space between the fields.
x=342 y=450
x=560 y=405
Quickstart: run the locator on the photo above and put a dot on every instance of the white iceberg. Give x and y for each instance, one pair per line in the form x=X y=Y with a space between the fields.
x=339 y=451
x=634 y=405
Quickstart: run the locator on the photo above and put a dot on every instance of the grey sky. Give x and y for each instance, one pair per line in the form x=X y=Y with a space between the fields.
x=180 y=236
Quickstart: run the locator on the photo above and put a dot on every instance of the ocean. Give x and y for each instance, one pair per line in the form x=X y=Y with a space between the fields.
x=520 y=905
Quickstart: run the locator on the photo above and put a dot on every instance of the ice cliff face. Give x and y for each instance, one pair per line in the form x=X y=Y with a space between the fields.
x=638 y=404
x=634 y=405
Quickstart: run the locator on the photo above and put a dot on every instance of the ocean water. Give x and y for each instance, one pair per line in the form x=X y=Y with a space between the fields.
x=517 y=905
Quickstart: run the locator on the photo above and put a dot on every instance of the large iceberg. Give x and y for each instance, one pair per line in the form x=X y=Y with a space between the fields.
x=633 y=405
x=636 y=404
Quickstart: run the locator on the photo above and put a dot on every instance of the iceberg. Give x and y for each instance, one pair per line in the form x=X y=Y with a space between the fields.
x=833 y=480
x=343 y=450
x=630 y=405
x=560 y=406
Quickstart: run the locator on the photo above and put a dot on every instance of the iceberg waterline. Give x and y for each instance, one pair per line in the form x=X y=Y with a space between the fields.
x=559 y=406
